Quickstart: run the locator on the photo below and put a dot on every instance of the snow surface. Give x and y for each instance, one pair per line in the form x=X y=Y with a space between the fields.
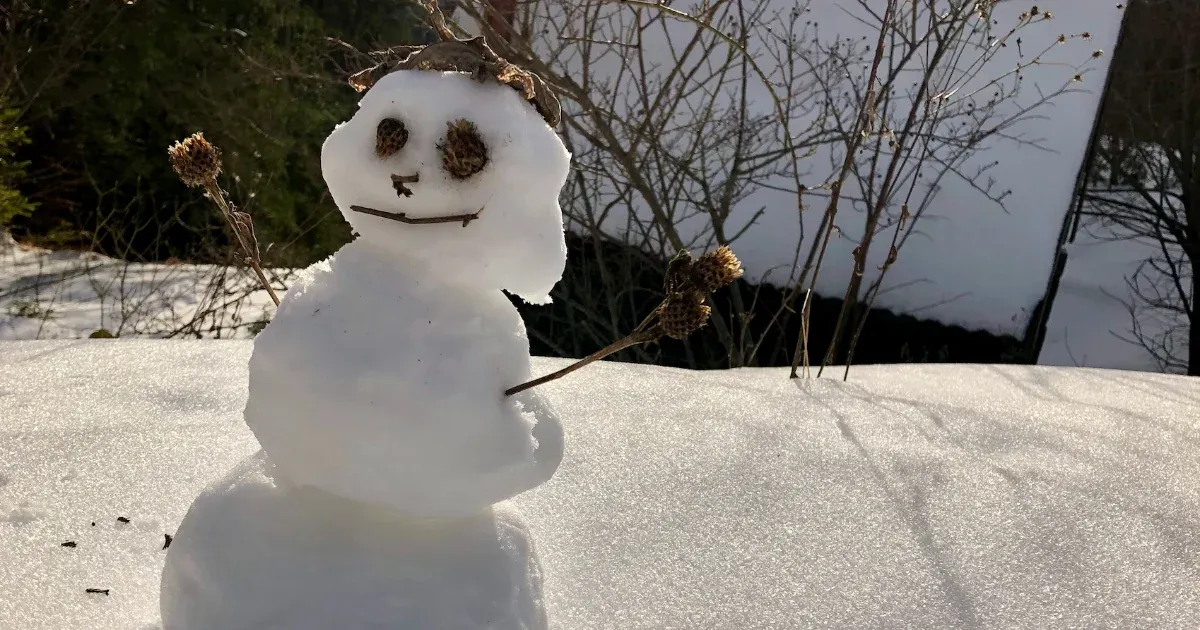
x=377 y=382
x=517 y=243
x=256 y=552
x=970 y=262
x=68 y=295
x=914 y=496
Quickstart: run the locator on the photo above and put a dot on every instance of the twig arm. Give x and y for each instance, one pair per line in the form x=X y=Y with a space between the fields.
x=617 y=346
x=250 y=250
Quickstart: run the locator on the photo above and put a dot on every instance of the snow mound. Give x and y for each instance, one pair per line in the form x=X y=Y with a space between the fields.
x=517 y=243
x=255 y=552
x=375 y=384
x=910 y=497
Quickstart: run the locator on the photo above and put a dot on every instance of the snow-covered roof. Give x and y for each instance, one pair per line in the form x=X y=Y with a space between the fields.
x=912 y=496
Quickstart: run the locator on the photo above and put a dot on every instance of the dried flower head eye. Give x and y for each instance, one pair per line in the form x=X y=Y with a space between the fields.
x=390 y=136
x=463 y=151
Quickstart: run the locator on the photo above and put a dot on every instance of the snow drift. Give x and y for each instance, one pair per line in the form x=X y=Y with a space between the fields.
x=909 y=497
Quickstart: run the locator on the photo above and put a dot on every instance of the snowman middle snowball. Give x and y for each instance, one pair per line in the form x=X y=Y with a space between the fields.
x=381 y=377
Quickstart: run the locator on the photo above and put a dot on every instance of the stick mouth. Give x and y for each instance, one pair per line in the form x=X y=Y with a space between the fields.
x=464 y=218
x=400 y=184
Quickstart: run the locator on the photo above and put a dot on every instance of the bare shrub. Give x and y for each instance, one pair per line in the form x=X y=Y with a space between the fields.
x=687 y=127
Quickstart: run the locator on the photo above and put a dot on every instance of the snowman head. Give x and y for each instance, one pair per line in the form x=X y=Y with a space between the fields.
x=458 y=176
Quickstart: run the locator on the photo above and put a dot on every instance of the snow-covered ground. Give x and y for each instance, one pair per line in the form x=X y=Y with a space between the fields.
x=910 y=497
x=68 y=294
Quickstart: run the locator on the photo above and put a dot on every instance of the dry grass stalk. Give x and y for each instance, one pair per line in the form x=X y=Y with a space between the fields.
x=198 y=163
x=687 y=285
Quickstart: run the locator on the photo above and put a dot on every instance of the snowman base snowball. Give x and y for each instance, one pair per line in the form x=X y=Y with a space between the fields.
x=256 y=553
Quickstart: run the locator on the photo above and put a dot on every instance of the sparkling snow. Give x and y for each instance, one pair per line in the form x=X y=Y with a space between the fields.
x=910 y=497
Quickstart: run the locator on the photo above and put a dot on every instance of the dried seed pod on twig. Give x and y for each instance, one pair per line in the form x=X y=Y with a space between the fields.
x=687 y=284
x=195 y=160
x=198 y=163
x=682 y=314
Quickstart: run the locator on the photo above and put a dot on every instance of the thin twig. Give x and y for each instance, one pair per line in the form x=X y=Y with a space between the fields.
x=218 y=197
x=438 y=20
x=804 y=322
x=646 y=336
x=404 y=218
x=866 y=117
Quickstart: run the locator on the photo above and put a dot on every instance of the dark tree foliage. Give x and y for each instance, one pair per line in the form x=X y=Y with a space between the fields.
x=259 y=77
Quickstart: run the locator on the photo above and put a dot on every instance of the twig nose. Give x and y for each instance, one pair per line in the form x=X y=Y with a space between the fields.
x=400 y=183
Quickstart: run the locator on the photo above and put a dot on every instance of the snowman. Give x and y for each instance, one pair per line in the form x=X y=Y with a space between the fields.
x=378 y=499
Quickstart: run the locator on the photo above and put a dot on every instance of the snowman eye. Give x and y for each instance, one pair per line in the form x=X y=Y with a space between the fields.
x=463 y=151
x=390 y=136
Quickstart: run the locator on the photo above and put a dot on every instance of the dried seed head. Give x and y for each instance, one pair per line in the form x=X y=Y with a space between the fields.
x=716 y=269
x=678 y=272
x=683 y=314
x=390 y=136
x=195 y=160
x=463 y=152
